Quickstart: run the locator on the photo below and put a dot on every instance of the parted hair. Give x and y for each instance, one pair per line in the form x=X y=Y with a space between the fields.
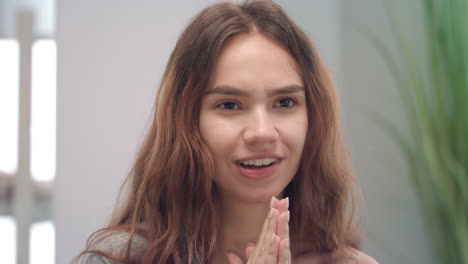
x=170 y=197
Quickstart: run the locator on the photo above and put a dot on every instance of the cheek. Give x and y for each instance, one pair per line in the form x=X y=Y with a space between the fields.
x=220 y=137
x=218 y=134
x=295 y=130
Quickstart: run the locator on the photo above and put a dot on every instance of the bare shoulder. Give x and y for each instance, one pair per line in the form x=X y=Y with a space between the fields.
x=345 y=256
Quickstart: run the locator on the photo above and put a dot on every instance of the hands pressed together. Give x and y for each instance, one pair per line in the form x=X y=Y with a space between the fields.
x=273 y=244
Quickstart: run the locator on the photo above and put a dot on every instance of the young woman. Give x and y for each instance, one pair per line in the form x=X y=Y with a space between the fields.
x=244 y=161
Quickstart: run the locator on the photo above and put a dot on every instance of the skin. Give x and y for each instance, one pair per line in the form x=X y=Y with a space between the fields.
x=273 y=243
x=253 y=122
x=256 y=119
x=248 y=111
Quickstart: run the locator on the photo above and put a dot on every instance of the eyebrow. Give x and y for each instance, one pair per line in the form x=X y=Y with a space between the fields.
x=229 y=90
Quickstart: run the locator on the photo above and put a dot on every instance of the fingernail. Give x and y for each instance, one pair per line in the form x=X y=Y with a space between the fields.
x=287 y=202
x=272 y=200
x=273 y=240
x=271 y=212
x=288 y=216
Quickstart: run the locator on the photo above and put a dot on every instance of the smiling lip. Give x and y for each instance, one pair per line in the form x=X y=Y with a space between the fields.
x=261 y=156
x=262 y=173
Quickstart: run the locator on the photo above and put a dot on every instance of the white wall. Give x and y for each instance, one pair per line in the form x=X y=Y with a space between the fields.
x=320 y=20
x=110 y=58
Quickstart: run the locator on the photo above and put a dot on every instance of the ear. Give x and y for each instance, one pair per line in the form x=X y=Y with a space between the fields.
x=232 y=258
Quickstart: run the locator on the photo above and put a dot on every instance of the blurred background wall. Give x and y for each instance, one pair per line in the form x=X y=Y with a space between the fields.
x=392 y=221
x=110 y=57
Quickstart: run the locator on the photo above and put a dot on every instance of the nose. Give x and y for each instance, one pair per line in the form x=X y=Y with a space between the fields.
x=260 y=130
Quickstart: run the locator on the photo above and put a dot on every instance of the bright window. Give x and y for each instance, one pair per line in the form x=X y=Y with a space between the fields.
x=43 y=110
x=9 y=54
x=7 y=240
x=43 y=141
x=42 y=240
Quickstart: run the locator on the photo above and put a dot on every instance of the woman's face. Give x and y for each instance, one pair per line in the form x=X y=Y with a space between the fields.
x=254 y=119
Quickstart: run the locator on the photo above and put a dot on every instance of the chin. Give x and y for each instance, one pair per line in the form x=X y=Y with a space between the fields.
x=252 y=192
x=263 y=196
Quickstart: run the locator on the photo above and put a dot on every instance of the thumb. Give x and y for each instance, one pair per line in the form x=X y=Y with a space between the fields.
x=232 y=258
x=249 y=250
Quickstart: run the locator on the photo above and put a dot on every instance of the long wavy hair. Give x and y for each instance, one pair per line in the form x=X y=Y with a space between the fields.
x=171 y=199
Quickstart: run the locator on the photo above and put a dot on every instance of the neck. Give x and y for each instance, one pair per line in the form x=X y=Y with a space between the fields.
x=241 y=223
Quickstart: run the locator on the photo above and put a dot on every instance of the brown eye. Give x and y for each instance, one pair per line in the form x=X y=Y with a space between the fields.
x=286 y=102
x=228 y=106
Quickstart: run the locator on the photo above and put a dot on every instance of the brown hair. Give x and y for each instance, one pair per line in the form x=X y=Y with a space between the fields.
x=171 y=189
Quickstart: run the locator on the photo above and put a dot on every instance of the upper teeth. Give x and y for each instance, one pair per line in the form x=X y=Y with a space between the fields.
x=259 y=162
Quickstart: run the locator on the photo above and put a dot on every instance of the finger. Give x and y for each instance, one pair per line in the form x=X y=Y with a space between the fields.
x=265 y=226
x=283 y=233
x=267 y=238
x=282 y=229
x=285 y=204
x=261 y=238
x=283 y=253
x=281 y=205
x=276 y=204
x=249 y=250
x=232 y=258
x=272 y=256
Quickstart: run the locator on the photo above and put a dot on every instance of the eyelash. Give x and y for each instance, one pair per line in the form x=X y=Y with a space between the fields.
x=294 y=102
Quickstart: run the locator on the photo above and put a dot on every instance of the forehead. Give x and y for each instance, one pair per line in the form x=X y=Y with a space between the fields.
x=254 y=60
